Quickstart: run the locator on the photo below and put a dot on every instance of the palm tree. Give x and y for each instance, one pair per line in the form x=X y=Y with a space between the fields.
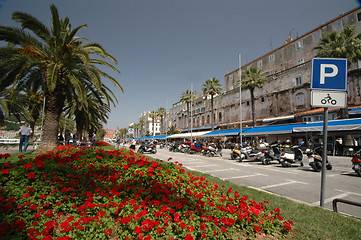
x=212 y=87
x=141 y=126
x=161 y=113
x=346 y=44
x=64 y=61
x=188 y=97
x=153 y=115
x=172 y=130
x=252 y=79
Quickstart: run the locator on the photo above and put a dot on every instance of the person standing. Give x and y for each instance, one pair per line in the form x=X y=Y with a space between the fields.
x=94 y=140
x=25 y=133
x=132 y=144
x=117 y=143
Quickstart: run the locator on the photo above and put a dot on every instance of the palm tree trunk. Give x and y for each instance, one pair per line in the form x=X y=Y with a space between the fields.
x=212 y=112
x=53 y=108
x=189 y=118
x=252 y=106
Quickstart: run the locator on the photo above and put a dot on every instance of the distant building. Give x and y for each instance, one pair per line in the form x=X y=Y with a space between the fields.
x=149 y=125
x=286 y=95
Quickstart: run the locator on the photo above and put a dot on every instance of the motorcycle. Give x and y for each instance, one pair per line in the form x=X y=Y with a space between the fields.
x=356 y=162
x=195 y=148
x=273 y=154
x=295 y=156
x=147 y=148
x=239 y=152
x=214 y=151
x=315 y=160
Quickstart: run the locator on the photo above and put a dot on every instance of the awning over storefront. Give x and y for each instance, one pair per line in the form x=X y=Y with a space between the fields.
x=188 y=135
x=225 y=132
x=333 y=125
x=354 y=111
x=151 y=137
x=199 y=128
x=269 y=130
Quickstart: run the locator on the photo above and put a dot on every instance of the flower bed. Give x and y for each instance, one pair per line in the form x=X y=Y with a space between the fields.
x=74 y=193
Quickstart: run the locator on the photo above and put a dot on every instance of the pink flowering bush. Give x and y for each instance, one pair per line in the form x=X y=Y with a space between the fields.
x=75 y=193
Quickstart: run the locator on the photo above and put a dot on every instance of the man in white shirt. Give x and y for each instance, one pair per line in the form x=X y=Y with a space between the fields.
x=25 y=133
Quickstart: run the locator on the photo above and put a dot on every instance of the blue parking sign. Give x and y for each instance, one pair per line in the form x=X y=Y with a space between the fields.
x=329 y=74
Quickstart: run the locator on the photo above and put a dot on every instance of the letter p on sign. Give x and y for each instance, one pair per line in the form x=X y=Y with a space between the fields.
x=323 y=73
x=329 y=74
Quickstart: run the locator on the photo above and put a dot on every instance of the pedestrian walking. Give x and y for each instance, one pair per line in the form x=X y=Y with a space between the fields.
x=132 y=144
x=94 y=140
x=117 y=146
x=25 y=133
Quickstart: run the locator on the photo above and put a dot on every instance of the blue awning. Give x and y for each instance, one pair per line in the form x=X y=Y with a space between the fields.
x=269 y=130
x=151 y=137
x=333 y=125
x=225 y=132
x=199 y=128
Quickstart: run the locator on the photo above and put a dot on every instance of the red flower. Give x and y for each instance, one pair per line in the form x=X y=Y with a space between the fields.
x=108 y=231
x=188 y=237
x=257 y=228
x=138 y=229
x=21 y=156
x=42 y=196
x=26 y=195
x=5 y=171
x=160 y=230
x=31 y=175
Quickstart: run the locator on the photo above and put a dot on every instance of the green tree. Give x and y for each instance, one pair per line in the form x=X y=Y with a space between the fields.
x=172 y=130
x=188 y=97
x=153 y=115
x=252 y=79
x=141 y=127
x=212 y=87
x=62 y=58
x=162 y=112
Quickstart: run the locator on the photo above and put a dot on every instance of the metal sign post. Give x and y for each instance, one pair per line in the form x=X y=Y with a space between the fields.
x=328 y=84
x=324 y=156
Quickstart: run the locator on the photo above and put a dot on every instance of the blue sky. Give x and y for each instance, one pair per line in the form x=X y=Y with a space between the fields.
x=165 y=46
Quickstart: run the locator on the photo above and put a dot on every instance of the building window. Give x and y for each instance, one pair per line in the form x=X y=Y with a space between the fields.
x=318 y=118
x=202 y=121
x=247 y=103
x=306 y=119
x=299 y=45
x=300 y=99
x=262 y=99
x=220 y=117
x=259 y=63
x=298 y=81
x=208 y=119
x=316 y=36
x=300 y=61
x=271 y=57
x=359 y=16
x=203 y=109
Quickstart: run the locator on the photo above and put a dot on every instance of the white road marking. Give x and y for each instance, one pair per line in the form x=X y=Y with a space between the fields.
x=282 y=184
x=221 y=170
x=266 y=168
x=331 y=198
x=245 y=176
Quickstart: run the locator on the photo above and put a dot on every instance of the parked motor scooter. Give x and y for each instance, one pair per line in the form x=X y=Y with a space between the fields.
x=295 y=156
x=356 y=162
x=195 y=148
x=238 y=152
x=147 y=148
x=215 y=150
x=271 y=154
x=315 y=159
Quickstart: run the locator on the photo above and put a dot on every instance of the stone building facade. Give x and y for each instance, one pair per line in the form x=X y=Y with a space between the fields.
x=286 y=94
